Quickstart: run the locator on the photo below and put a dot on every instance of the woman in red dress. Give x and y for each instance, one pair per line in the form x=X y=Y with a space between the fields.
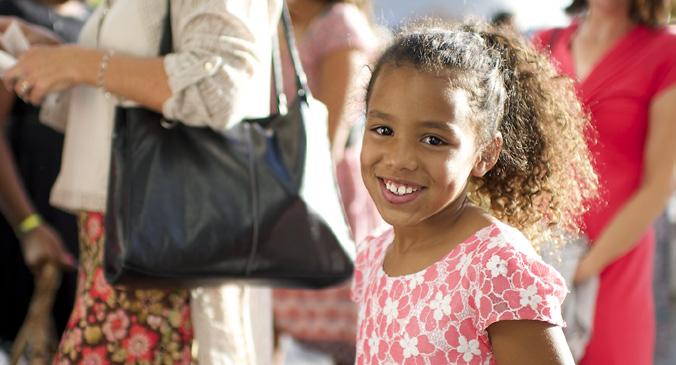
x=624 y=62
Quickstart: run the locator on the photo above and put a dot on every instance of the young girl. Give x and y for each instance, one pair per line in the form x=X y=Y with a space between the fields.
x=471 y=136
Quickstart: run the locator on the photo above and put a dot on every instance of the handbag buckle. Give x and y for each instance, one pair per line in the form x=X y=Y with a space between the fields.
x=166 y=124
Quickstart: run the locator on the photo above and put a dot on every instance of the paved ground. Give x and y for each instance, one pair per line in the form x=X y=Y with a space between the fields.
x=666 y=345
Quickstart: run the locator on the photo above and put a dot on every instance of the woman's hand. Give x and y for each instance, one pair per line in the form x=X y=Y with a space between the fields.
x=43 y=244
x=587 y=268
x=44 y=70
x=35 y=34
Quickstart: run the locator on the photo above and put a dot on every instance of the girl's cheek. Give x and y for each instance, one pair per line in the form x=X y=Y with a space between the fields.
x=365 y=157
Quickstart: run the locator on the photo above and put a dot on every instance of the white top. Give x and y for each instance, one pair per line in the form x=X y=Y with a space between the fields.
x=220 y=66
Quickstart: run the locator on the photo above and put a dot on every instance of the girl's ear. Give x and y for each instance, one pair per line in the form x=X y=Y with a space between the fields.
x=489 y=157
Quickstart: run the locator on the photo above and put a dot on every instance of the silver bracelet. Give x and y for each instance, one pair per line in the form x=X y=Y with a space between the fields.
x=103 y=67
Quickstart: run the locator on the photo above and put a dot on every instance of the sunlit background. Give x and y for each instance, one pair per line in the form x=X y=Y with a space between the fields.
x=529 y=14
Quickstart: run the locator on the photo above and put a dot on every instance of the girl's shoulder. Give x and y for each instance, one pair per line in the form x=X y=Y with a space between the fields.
x=510 y=281
x=370 y=253
x=507 y=250
x=374 y=245
x=503 y=239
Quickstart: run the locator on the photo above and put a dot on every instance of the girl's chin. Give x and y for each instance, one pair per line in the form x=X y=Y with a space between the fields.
x=399 y=218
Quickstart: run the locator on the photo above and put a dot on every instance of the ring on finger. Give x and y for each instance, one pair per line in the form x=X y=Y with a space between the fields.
x=24 y=86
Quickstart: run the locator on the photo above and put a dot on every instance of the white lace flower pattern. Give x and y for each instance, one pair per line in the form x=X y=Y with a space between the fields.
x=497 y=266
x=440 y=315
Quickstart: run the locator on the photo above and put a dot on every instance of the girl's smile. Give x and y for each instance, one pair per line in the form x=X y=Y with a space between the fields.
x=399 y=191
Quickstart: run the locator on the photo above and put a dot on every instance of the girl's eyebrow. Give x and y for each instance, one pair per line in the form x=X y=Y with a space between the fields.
x=434 y=124
x=447 y=129
x=380 y=115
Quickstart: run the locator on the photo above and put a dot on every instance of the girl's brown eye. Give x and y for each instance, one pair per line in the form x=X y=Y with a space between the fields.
x=383 y=131
x=434 y=141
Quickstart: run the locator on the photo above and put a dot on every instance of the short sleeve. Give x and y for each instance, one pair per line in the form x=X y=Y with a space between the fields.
x=344 y=26
x=665 y=76
x=514 y=284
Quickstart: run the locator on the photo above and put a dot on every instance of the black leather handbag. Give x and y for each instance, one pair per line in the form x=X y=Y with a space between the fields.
x=190 y=206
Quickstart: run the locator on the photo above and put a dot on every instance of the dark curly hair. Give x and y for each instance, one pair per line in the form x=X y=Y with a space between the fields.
x=544 y=173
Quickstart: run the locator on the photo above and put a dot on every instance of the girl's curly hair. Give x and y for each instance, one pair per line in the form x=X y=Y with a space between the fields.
x=544 y=174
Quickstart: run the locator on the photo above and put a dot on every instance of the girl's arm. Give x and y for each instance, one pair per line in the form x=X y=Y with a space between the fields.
x=529 y=343
x=338 y=73
x=659 y=180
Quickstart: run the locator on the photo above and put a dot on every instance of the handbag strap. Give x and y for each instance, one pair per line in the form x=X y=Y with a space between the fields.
x=299 y=74
x=302 y=89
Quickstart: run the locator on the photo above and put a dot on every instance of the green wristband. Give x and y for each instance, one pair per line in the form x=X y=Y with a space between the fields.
x=28 y=224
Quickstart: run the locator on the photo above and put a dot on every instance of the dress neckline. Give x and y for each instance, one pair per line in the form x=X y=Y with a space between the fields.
x=620 y=45
x=424 y=270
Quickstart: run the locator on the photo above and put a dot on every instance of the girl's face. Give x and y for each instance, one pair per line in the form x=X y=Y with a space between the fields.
x=419 y=146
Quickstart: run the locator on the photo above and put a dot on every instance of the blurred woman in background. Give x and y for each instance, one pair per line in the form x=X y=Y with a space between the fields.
x=336 y=41
x=624 y=61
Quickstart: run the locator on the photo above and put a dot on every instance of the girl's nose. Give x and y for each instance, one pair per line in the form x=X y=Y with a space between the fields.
x=402 y=157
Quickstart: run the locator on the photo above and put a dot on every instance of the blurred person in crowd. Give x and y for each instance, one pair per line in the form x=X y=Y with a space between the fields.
x=336 y=40
x=504 y=19
x=624 y=61
x=30 y=155
x=662 y=282
x=221 y=48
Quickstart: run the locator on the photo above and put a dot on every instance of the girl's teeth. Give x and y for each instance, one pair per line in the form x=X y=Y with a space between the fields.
x=399 y=189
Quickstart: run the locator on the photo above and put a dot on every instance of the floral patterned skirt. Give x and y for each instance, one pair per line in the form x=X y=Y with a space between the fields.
x=111 y=326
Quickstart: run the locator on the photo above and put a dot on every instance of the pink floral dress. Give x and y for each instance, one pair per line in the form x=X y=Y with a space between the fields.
x=440 y=315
